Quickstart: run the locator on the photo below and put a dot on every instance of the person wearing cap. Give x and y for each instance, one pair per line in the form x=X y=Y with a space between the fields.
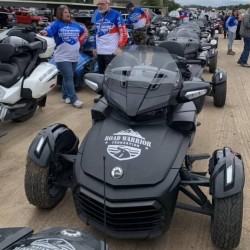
x=110 y=34
x=139 y=19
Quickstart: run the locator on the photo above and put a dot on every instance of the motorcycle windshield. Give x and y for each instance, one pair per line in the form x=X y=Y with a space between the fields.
x=141 y=79
x=148 y=62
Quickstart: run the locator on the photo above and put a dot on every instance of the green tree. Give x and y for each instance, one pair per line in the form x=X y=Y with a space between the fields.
x=171 y=5
x=150 y=2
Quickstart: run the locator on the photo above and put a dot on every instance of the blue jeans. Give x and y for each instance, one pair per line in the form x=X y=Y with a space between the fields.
x=67 y=70
x=231 y=37
x=245 y=53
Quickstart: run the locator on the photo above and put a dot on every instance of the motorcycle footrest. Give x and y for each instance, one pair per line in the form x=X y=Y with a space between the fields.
x=193 y=158
x=199 y=173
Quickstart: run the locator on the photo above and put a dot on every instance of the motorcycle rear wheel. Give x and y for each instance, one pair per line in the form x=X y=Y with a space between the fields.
x=226 y=222
x=26 y=117
x=40 y=188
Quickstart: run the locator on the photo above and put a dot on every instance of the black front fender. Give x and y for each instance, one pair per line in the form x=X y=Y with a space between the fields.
x=219 y=77
x=50 y=142
x=226 y=173
x=212 y=53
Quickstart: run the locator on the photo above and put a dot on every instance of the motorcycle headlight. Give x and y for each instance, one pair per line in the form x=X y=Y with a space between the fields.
x=213 y=42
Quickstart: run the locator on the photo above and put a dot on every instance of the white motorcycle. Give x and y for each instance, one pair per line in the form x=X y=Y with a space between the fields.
x=25 y=75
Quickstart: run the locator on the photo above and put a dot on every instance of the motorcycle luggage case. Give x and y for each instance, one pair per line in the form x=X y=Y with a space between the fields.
x=191 y=45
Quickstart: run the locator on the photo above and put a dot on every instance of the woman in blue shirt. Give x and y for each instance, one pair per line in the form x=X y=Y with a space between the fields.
x=231 y=27
x=66 y=35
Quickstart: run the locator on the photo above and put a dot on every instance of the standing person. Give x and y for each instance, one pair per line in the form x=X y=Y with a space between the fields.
x=93 y=19
x=232 y=27
x=239 y=18
x=245 y=33
x=139 y=19
x=110 y=34
x=225 y=25
x=66 y=34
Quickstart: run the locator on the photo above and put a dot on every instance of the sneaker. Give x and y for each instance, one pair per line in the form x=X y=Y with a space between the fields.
x=96 y=100
x=230 y=52
x=78 y=104
x=245 y=65
x=67 y=100
x=239 y=62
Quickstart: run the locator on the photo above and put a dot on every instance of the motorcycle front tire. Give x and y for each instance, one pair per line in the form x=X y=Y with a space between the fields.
x=226 y=221
x=40 y=189
x=220 y=92
x=212 y=64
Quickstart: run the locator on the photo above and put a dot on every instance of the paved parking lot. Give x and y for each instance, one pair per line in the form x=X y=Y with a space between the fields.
x=228 y=126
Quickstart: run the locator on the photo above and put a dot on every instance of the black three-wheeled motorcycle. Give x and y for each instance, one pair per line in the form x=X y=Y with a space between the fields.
x=127 y=173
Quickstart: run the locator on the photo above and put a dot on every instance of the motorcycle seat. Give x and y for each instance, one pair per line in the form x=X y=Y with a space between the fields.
x=22 y=60
x=9 y=72
x=28 y=36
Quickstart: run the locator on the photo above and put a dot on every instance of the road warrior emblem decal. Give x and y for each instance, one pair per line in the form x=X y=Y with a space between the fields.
x=126 y=144
x=47 y=244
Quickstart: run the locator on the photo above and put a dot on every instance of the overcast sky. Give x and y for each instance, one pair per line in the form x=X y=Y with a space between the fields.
x=214 y=3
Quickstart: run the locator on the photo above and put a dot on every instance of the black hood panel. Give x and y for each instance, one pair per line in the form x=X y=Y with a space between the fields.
x=144 y=153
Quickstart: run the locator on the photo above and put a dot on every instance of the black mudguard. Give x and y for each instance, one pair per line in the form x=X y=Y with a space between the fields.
x=50 y=141
x=219 y=77
x=226 y=173
x=212 y=53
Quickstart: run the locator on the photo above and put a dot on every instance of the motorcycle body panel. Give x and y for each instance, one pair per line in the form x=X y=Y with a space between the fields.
x=131 y=148
x=11 y=95
x=45 y=74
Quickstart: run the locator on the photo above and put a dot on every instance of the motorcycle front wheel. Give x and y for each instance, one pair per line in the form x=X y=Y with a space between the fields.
x=226 y=222
x=40 y=185
x=220 y=93
x=212 y=64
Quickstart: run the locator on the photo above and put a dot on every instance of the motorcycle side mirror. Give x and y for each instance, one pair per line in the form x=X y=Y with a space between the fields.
x=94 y=81
x=192 y=90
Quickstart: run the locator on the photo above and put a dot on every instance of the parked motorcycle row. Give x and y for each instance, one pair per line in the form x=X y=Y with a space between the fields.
x=126 y=174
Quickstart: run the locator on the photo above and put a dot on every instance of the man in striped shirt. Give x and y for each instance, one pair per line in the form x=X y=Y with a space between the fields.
x=110 y=34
